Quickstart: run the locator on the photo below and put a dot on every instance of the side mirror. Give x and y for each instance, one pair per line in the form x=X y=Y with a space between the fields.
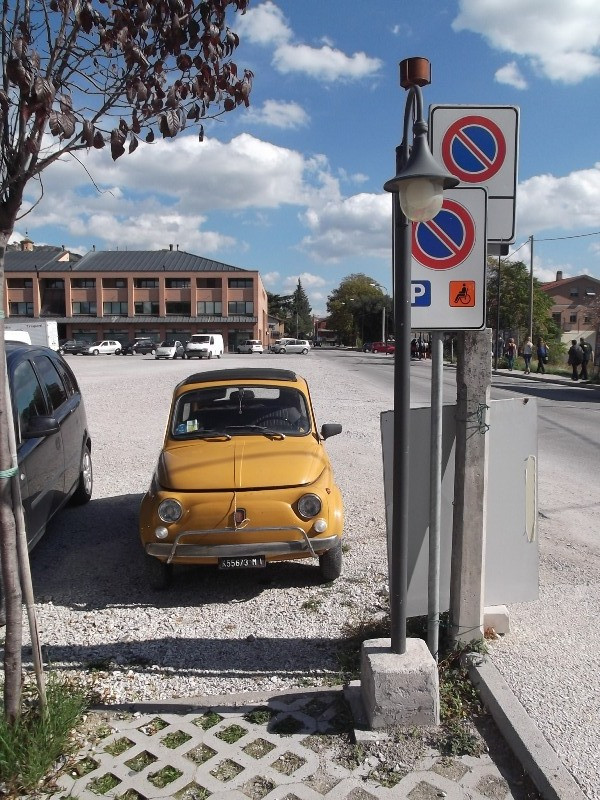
x=41 y=426
x=330 y=429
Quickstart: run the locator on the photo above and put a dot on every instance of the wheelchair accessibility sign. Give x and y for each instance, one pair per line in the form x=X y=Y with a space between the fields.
x=448 y=266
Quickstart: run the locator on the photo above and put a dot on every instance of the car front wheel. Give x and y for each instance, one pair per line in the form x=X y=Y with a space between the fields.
x=330 y=563
x=83 y=492
x=304 y=352
x=158 y=574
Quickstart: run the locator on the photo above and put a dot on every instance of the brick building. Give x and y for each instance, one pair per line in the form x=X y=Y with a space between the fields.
x=123 y=294
x=576 y=306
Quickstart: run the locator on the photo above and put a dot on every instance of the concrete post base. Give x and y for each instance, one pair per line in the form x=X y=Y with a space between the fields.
x=497 y=617
x=399 y=689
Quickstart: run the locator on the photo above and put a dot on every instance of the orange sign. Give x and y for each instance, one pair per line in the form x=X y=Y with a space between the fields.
x=462 y=294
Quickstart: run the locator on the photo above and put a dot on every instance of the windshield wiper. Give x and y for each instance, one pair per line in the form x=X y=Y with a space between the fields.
x=259 y=429
x=208 y=434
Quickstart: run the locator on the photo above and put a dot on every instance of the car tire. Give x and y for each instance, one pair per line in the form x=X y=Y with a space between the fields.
x=83 y=492
x=96 y=353
x=281 y=350
x=158 y=574
x=153 y=351
x=304 y=352
x=330 y=563
x=117 y=352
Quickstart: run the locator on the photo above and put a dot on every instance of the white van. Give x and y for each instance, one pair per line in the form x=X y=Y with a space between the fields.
x=205 y=345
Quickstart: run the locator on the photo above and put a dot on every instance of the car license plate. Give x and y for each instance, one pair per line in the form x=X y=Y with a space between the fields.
x=242 y=562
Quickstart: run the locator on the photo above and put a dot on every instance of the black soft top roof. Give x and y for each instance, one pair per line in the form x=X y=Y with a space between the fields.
x=243 y=374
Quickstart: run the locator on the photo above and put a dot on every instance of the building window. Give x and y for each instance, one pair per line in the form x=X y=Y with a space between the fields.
x=145 y=283
x=83 y=283
x=114 y=283
x=241 y=307
x=177 y=283
x=146 y=307
x=586 y=320
x=84 y=308
x=240 y=283
x=572 y=317
x=19 y=283
x=210 y=307
x=208 y=283
x=178 y=308
x=557 y=318
x=56 y=283
x=574 y=292
x=115 y=309
x=20 y=309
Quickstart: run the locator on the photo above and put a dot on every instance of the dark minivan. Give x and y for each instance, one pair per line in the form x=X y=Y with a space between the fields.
x=53 y=440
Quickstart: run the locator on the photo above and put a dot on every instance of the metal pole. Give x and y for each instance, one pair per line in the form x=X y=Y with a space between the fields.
x=383 y=324
x=401 y=474
x=435 y=493
x=531 y=288
x=497 y=319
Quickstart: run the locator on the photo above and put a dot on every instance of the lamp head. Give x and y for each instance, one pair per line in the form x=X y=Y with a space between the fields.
x=421 y=182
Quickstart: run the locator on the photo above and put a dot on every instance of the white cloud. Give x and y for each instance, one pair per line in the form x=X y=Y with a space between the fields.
x=307 y=279
x=270 y=279
x=279 y=115
x=560 y=40
x=324 y=63
x=344 y=228
x=511 y=75
x=571 y=202
x=264 y=24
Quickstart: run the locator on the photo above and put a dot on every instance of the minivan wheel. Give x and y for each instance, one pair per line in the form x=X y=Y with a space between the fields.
x=158 y=573
x=83 y=492
x=330 y=563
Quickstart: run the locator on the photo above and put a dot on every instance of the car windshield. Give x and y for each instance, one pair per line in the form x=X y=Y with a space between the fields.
x=225 y=411
x=168 y=343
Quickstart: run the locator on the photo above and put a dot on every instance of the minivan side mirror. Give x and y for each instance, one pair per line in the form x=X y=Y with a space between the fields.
x=41 y=426
x=330 y=429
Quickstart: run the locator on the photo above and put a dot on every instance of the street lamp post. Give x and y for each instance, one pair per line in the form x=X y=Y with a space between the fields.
x=417 y=190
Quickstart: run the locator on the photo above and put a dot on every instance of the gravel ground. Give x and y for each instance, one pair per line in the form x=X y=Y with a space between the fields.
x=210 y=633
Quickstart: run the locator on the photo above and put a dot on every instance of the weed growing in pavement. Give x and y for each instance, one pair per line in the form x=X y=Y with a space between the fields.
x=30 y=747
x=312 y=604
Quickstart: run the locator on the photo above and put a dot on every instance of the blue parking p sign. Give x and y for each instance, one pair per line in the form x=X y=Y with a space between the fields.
x=420 y=293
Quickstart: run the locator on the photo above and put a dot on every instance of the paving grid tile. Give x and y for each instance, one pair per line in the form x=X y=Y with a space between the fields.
x=315 y=718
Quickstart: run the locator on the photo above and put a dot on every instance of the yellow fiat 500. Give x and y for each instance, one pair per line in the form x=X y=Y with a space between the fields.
x=243 y=478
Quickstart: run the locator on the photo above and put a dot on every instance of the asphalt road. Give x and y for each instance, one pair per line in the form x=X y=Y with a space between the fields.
x=551 y=658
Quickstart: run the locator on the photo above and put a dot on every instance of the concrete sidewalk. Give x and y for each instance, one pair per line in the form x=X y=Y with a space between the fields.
x=293 y=745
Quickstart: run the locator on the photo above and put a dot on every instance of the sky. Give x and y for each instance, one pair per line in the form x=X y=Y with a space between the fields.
x=293 y=185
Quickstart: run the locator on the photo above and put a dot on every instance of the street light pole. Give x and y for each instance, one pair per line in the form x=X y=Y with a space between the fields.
x=417 y=196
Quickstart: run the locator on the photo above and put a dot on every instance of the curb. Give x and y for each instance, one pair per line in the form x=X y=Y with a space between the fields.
x=538 y=759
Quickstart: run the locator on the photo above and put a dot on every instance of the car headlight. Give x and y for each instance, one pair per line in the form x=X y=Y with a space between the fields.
x=170 y=510
x=309 y=506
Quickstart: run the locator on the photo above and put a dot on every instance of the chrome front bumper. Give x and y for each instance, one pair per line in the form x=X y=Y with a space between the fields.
x=187 y=550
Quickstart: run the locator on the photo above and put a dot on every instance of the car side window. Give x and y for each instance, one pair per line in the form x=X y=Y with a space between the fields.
x=28 y=396
x=68 y=379
x=53 y=381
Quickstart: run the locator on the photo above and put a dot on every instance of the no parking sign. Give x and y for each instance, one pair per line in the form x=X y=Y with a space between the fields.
x=478 y=144
x=449 y=263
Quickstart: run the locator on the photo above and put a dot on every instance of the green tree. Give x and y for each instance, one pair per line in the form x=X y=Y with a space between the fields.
x=357 y=309
x=515 y=305
x=279 y=305
x=300 y=322
x=87 y=74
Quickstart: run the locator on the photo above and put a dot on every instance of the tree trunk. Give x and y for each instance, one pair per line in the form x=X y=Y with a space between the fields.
x=8 y=540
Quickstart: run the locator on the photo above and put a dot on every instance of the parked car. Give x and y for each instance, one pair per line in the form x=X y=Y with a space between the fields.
x=170 y=348
x=367 y=347
x=74 y=347
x=292 y=346
x=136 y=346
x=52 y=437
x=243 y=478
x=389 y=348
x=105 y=347
x=250 y=346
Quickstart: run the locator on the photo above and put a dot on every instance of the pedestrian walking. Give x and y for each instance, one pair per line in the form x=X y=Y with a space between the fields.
x=586 y=357
x=527 y=354
x=510 y=353
x=542 y=355
x=575 y=359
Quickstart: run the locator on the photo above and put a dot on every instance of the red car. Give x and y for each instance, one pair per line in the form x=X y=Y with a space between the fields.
x=384 y=347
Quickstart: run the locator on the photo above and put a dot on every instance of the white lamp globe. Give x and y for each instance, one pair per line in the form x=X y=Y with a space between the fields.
x=421 y=198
